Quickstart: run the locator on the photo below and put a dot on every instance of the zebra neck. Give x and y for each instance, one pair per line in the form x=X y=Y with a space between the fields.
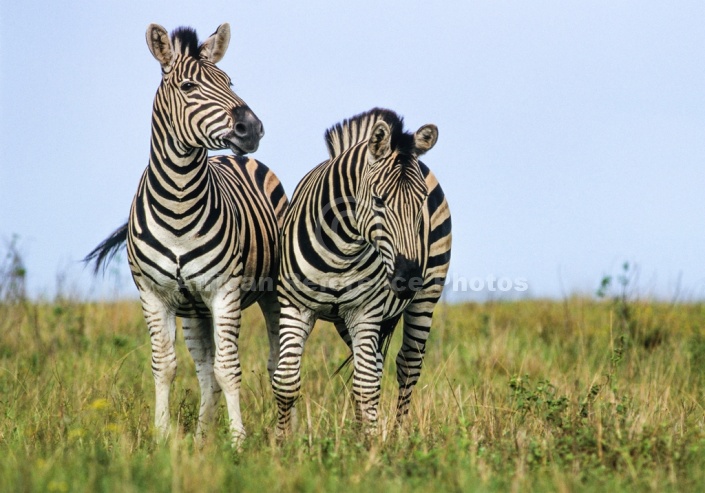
x=335 y=229
x=175 y=196
x=175 y=190
x=176 y=170
x=341 y=235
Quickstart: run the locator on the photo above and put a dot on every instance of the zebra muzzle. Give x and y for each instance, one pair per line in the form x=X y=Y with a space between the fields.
x=246 y=133
x=407 y=278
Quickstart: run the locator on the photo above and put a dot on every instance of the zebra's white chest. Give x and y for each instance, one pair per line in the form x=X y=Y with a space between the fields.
x=175 y=261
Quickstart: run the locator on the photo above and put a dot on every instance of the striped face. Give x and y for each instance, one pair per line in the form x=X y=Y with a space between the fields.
x=390 y=203
x=195 y=97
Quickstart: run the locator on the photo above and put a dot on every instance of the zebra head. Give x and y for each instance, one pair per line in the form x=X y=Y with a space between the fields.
x=195 y=97
x=390 y=202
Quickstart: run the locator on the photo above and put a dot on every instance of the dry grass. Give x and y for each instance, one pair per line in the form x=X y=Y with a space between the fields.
x=534 y=395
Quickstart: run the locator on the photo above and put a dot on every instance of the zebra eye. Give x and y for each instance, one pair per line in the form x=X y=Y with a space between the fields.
x=187 y=86
x=378 y=201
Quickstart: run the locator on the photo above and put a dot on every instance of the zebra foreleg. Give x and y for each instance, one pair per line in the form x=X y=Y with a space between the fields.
x=161 y=323
x=295 y=327
x=198 y=335
x=269 y=305
x=367 y=373
x=344 y=334
x=225 y=308
x=417 y=323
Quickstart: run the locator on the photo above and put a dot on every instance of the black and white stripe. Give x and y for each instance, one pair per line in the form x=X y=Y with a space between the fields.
x=365 y=242
x=202 y=236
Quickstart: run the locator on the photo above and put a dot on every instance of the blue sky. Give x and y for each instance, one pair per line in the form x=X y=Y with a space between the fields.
x=572 y=134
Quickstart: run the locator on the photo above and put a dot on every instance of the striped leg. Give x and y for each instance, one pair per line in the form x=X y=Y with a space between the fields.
x=225 y=308
x=198 y=335
x=367 y=373
x=386 y=332
x=270 y=309
x=417 y=323
x=161 y=323
x=295 y=327
x=344 y=334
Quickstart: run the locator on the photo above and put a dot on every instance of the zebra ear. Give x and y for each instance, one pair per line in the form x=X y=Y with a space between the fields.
x=379 y=144
x=214 y=47
x=425 y=138
x=160 y=45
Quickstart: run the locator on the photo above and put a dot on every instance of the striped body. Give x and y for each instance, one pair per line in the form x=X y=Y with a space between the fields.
x=203 y=233
x=228 y=227
x=366 y=241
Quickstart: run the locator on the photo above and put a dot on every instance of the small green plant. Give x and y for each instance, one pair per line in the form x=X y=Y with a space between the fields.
x=696 y=347
x=540 y=400
x=621 y=299
x=12 y=273
x=626 y=306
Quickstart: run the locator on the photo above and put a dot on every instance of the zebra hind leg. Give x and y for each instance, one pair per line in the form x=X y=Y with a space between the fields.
x=385 y=338
x=295 y=327
x=269 y=305
x=344 y=334
x=198 y=335
x=161 y=323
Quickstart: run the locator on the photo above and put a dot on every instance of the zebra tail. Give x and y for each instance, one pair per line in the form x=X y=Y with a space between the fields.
x=104 y=253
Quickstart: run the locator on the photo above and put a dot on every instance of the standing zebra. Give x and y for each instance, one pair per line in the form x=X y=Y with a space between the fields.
x=366 y=240
x=202 y=235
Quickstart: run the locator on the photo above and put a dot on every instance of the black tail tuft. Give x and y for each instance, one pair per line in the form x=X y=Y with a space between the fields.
x=104 y=253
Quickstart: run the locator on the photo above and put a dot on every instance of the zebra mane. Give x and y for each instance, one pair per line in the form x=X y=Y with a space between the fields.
x=342 y=136
x=185 y=40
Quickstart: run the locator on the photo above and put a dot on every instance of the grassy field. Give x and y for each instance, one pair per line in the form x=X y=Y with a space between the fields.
x=574 y=395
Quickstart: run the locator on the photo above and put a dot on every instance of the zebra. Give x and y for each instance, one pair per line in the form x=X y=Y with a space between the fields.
x=366 y=241
x=202 y=235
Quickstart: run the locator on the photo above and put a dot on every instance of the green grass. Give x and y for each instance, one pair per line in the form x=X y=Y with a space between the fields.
x=524 y=396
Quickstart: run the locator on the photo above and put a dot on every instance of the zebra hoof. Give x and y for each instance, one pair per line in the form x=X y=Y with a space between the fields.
x=238 y=437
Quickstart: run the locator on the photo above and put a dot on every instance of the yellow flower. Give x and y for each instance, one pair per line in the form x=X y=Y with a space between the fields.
x=59 y=486
x=76 y=433
x=99 y=404
x=112 y=427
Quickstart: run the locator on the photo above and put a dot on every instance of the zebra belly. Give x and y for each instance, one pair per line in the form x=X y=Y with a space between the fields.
x=345 y=297
x=187 y=289
x=343 y=312
x=188 y=300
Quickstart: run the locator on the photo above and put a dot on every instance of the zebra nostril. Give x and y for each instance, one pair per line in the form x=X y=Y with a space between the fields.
x=240 y=129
